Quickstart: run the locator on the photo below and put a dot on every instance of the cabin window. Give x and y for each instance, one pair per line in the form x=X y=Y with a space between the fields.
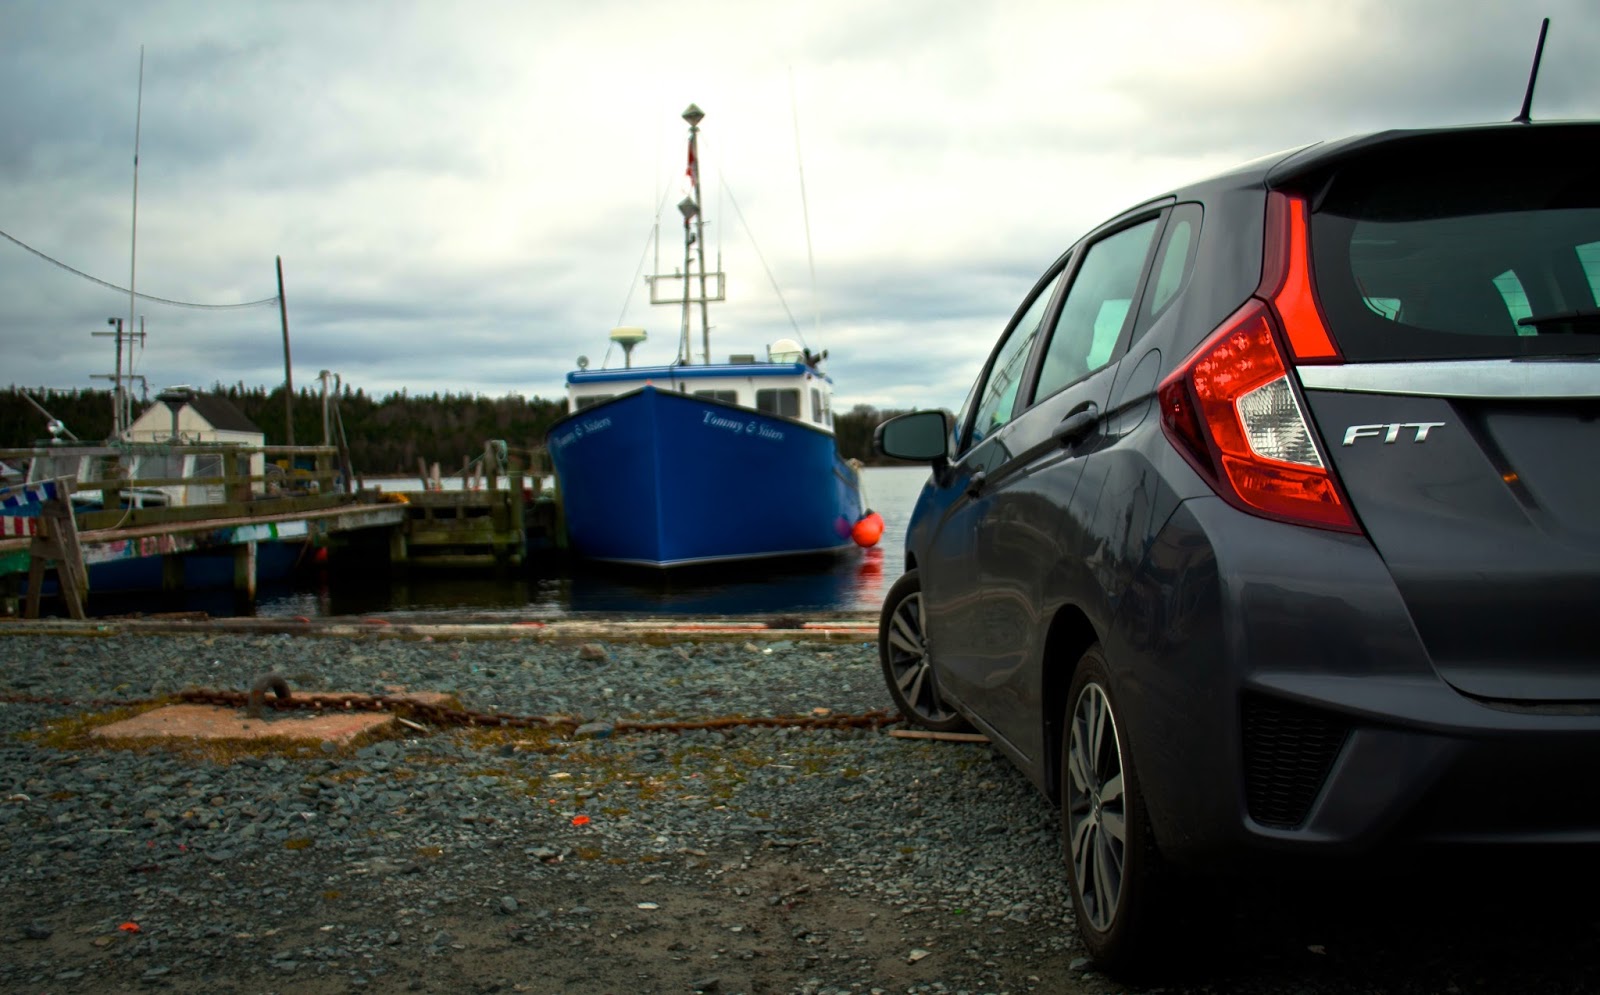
x=816 y=405
x=726 y=396
x=169 y=466
x=589 y=402
x=779 y=402
x=207 y=466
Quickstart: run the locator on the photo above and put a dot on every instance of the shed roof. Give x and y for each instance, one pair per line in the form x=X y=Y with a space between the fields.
x=222 y=414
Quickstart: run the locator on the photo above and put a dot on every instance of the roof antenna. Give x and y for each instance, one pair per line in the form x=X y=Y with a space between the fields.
x=1533 y=77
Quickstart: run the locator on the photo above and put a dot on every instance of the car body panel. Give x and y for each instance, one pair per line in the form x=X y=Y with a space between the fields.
x=1485 y=514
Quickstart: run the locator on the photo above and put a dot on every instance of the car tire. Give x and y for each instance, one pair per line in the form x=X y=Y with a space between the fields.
x=1115 y=871
x=907 y=666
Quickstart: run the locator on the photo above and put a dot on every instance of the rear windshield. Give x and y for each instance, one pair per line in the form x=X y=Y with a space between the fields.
x=1442 y=252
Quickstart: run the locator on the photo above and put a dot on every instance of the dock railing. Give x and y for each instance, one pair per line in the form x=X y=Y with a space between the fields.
x=228 y=476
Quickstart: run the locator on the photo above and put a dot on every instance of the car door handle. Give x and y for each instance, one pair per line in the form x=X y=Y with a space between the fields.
x=1076 y=426
x=975 y=483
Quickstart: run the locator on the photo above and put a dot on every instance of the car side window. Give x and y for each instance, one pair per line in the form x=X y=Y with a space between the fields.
x=1174 y=258
x=1096 y=308
x=997 y=401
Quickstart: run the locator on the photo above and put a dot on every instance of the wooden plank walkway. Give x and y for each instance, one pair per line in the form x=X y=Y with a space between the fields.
x=239 y=529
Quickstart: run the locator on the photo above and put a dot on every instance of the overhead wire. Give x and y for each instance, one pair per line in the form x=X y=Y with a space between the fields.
x=805 y=210
x=770 y=278
x=124 y=290
x=650 y=238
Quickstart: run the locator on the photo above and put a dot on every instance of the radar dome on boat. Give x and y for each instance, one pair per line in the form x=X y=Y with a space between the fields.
x=627 y=338
x=784 y=351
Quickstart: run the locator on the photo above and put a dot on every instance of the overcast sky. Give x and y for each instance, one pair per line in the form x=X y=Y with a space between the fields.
x=463 y=193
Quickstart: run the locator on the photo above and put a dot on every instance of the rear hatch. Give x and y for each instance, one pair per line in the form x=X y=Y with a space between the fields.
x=1459 y=275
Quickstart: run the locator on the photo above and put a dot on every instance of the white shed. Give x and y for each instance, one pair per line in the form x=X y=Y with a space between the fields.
x=194 y=419
x=184 y=417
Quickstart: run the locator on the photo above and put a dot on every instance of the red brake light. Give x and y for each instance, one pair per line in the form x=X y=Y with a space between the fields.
x=1286 y=280
x=1233 y=414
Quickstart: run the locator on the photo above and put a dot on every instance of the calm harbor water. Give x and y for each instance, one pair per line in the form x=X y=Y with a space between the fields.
x=856 y=581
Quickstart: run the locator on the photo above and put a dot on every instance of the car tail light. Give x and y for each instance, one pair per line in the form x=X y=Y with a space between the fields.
x=1286 y=280
x=1231 y=408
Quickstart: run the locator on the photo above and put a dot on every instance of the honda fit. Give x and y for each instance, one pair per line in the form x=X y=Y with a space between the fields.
x=1271 y=523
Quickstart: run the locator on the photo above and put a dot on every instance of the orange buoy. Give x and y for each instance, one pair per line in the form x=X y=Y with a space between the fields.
x=868 y=530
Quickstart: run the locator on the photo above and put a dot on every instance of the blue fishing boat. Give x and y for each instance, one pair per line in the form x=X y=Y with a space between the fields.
x=701 y=463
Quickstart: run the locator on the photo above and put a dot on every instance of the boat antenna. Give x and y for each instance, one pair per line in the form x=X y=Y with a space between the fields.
x=652 y=239
x=133 y=249
x=661 y=196
x=794 y=113
x=1533 y=77
x=720 y=193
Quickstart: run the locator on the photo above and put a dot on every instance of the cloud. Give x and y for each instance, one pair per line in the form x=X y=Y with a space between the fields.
x=461 y=195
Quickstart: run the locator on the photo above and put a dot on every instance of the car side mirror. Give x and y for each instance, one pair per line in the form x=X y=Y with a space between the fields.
x=921 y=436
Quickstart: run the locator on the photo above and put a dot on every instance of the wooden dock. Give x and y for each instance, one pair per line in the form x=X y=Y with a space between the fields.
x=239 y=509
x=483 y=525
x=470 y=529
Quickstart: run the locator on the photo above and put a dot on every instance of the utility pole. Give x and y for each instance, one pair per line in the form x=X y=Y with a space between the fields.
x=133 y=252
x=331 y=382
x=288 y=372
x=117 y=406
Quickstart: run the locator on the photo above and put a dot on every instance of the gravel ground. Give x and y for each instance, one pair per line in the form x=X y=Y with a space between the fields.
x=746 y=860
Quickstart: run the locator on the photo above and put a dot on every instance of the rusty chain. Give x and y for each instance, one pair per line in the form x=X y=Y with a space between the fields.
x=451 y=715
x=440 y=714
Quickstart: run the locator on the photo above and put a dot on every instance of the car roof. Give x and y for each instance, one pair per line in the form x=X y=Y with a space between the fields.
x=1293 y=166
x=1320 y=157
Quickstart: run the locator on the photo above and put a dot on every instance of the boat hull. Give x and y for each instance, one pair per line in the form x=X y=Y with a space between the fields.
x=662 y=479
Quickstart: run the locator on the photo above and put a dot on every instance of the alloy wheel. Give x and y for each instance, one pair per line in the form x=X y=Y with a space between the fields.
x=908 y=664
x=1097 y=831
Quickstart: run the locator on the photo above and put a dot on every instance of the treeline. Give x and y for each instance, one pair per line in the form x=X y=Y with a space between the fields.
x=854 y=431
x=386 y=435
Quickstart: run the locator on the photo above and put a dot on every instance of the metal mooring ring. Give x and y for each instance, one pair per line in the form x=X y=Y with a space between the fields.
x=271 y=682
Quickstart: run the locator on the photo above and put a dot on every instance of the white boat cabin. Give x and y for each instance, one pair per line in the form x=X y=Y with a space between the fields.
x=789 y=384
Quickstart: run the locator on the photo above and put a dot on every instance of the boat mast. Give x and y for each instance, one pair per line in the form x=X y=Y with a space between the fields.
x=694 y=115
x=689 y=209
x=694 y=230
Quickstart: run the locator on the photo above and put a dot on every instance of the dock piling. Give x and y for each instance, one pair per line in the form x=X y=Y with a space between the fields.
x=56 y=545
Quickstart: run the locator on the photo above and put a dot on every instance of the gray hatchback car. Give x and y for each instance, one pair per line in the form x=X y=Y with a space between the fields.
x=1272 y=523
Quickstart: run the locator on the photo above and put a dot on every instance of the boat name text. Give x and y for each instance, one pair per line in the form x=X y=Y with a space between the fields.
x=751 y=427
x=588 y=426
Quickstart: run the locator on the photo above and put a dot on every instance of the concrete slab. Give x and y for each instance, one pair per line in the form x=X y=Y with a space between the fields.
x=214 y=722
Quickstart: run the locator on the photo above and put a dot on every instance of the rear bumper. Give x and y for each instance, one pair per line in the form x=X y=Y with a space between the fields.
x=1277 y=697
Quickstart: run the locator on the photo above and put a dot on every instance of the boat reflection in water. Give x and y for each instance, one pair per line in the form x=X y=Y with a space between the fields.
x=852 y=584
x=832 y=585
